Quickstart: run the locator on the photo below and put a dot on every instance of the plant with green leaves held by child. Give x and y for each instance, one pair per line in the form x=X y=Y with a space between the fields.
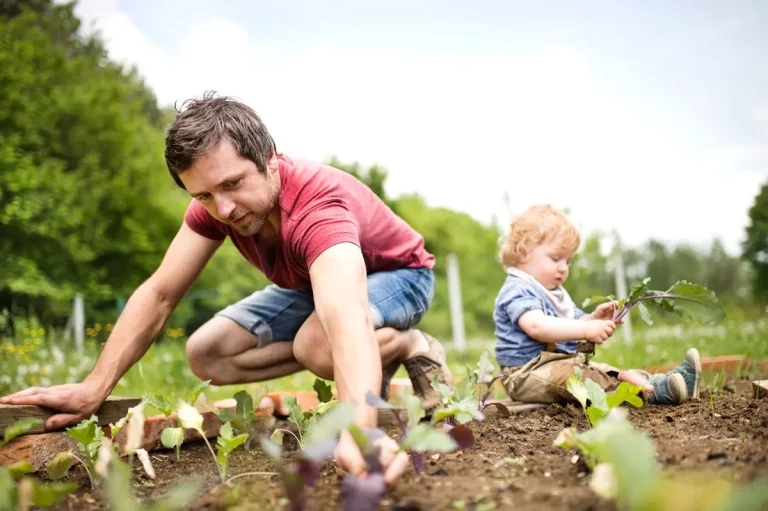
x=684 y=299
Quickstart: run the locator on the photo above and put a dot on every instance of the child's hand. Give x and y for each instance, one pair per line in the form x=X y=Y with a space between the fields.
x=599 y=330
x=605 y=310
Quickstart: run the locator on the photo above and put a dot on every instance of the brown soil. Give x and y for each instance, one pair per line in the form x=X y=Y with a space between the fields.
x=512 y=466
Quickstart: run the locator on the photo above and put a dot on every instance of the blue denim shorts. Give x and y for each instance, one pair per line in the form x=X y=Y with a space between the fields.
x=397 y=298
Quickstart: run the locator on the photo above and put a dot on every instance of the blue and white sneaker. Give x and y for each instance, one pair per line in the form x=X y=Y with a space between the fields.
x=690 y=370
x=668 y=389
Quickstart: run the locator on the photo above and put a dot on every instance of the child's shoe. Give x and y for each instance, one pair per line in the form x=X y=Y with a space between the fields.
x=690 y=369
x=668 y=389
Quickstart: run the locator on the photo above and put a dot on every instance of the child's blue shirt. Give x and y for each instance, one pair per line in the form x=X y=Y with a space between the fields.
x=513 y=346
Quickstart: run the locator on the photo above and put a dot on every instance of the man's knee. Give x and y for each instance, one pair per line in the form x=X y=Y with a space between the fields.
x=199 y=354
x=309 y=341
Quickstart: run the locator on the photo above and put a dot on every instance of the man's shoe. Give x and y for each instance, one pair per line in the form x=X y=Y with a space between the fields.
x=387 y=373
x=690 y=370
x=668 y=389
x=422 y=369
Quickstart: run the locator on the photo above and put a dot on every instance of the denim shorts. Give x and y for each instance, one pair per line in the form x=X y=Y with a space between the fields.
x=397 y=298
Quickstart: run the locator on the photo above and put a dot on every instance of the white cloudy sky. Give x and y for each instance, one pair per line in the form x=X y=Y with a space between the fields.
x=649 y=117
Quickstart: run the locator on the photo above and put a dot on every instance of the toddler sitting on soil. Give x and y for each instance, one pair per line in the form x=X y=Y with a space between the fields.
x=538 y=326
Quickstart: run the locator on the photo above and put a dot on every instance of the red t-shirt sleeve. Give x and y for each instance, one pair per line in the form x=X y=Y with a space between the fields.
x=200 y=221
x=322 y=228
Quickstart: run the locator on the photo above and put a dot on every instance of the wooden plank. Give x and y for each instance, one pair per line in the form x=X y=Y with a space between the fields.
x=111 y=411
x=760 y=388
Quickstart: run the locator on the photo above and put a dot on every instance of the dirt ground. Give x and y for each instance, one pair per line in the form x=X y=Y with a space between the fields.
x=512 y=466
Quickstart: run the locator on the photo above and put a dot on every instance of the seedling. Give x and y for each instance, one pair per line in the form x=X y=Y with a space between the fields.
x=17 y=491
x=419 y=437
x=243 y=418
x=600 y=403
x=684 y=299
x=165 y=406
x=190 y=418
x=305 y=420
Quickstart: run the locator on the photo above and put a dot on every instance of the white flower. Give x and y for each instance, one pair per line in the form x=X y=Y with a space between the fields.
x=103 y=458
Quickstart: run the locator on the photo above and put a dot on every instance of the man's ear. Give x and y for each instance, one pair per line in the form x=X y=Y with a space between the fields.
x=273 y=165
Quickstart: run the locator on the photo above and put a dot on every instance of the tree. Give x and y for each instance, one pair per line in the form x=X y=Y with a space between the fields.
x=755 y=245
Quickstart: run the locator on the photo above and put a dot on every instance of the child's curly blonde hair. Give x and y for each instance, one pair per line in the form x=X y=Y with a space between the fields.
x=534 y=226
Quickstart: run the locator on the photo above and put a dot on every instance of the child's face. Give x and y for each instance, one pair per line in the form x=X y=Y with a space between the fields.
x=548 y=263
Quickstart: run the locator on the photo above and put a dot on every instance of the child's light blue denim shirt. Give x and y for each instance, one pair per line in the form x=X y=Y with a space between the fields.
x=513 y=346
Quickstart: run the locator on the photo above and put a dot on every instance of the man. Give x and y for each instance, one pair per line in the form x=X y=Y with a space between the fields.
x=350 y=278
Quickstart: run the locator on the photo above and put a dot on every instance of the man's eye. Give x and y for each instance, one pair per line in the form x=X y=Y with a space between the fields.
x=235 y=182
x=203 y=198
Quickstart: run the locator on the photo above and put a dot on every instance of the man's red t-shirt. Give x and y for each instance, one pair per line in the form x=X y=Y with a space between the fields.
x=321 y=206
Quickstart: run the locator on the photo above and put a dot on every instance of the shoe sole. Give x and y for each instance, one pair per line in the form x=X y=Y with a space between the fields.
x=694 y=354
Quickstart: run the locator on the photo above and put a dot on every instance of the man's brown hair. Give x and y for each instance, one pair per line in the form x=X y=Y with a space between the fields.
x=201 y=125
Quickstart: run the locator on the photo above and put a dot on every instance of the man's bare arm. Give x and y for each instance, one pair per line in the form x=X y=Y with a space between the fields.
x=150 y=306
x=339 y=285
x=142 y=320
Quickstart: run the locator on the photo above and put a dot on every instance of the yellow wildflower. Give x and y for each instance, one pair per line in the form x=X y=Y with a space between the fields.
x=97 y=327
x=109 y=327
x=41 y=331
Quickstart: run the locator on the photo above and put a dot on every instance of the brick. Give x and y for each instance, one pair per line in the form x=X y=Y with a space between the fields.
x=307 y=400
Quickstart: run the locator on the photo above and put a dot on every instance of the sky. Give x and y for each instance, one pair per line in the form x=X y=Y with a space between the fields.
x=650 y=118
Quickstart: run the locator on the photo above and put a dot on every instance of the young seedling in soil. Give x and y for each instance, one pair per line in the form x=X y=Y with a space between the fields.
x=190 y=418
x=20 y=492
x=685 y=299
x=304 y=420
x=93 y=444
x=601 y=404
x=243 y=418
x=420 y=437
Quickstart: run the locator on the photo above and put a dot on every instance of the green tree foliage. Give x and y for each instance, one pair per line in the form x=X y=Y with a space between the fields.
x=80 y=151
x=756 y=244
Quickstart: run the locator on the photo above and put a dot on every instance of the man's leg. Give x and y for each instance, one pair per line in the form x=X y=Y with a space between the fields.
x=246 y=341
x=313 y=351
x=226 y=353
x=398 y=300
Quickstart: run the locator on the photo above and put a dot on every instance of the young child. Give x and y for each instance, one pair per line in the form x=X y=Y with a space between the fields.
x=538 y=326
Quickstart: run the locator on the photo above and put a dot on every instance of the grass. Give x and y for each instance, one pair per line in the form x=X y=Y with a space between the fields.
x=40 y=358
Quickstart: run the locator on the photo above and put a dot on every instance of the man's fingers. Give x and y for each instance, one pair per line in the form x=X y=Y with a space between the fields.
x=351 y=461
x=396 y=468
x=11 y=398
x=61 y=420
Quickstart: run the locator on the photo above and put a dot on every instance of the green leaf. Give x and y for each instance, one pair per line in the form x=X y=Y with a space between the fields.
x=244 y=407
x=226 y=443
x=84 y=432
x=485 y=368
x=414 y=409
x=195 y=392
x=446 y=392
x=296 y=413
x=424 y=437
x=59 y=465
x=190 y=418
x=323 y=390
x=21 y=468
x=645 y=314
x=160 y=403
x=706 y=307
x=598 y=407
x=19 y=427
x=50 y=494
x=625 y=392
x=614 y=440
x=8 y=491
x=639 y=290
x=172 y=437
x=463 y=411
x=576 y=387
x=118 y=487
x=330 y=425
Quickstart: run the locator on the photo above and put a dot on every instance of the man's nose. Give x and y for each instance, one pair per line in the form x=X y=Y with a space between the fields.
x=224 y=206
